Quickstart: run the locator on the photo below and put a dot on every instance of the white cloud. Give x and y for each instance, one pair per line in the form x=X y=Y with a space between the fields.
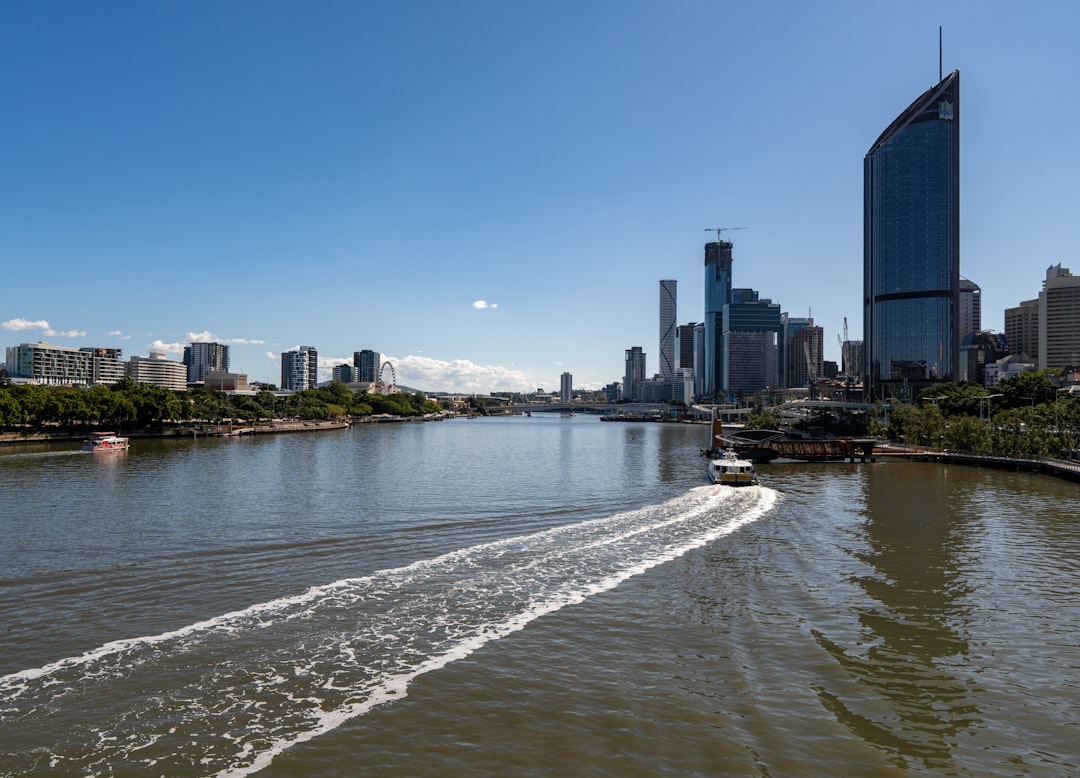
x=271 y=355
x=120 y=334
x=208 y=337
x=481 y=305
x=21 y=325
x=458 y=375
x=18 y=325
x=168 y=348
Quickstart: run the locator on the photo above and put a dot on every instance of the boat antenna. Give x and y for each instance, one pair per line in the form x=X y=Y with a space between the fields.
x=940 y=71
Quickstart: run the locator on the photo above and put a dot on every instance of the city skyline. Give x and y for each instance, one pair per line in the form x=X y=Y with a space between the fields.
x=446 y=191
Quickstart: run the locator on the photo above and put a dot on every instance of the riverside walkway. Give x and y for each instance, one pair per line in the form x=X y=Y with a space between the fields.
x=1061 y=468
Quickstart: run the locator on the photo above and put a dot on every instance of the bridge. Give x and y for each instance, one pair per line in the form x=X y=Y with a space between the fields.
x=728 y=411
x=641 y=409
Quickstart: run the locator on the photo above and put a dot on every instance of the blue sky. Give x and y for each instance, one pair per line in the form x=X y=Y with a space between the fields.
x=488 y=192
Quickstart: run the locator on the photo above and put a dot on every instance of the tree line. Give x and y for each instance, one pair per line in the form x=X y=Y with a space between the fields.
x=33 y=405
x=1024 y=416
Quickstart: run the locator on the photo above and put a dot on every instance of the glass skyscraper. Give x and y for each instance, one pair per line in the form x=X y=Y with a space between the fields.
x=717 y=295
x=911 y=247
x=668 y=296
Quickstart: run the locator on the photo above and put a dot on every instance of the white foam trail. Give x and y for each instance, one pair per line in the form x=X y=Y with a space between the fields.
x=333 y=652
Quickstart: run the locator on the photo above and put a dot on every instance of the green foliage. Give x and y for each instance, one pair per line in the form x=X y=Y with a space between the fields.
x=762 y=419
x=149 y=405
x=1027 y=390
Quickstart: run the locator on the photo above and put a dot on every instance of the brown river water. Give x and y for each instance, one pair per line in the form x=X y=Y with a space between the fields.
x=537 y=596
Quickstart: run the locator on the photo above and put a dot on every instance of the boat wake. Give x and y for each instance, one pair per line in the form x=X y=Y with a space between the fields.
x=226 y=695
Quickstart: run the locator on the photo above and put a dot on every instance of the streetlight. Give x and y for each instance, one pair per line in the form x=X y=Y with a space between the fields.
x=986 y=399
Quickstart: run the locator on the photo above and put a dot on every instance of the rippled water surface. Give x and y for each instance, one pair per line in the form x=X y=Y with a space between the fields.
x=529 y=596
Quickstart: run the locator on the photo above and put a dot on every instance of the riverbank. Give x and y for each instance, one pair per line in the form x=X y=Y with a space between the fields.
x=79 y=433
x=1060 y=468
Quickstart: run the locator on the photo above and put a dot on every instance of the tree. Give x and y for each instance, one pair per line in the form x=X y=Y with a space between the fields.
x=1026 y=390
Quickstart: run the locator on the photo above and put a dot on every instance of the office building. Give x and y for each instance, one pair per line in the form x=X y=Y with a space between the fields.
x=1059 y=319
x=717 y=295
x=684 y=346
x=978 y=350
x=911 y=247
x=566 y=387
x=204 y=357
x=368 y=363
x=749 y=349
x=802 y=358
x=634 y=376
x=970 y=308
x=668 y=302
x=851 y=358
x=158 y=370
x=1022 y=330
x=793 y=359
x=345 y=373
x=699 y=360
x=225 y=381
x=300 y=369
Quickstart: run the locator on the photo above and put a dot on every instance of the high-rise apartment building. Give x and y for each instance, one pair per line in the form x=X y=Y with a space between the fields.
x=911 y=246
x=368 y=363
x=107 y=366
x=566 y=387
x=205 y=357
x=1059 y=319
x=44 y=363
x=634 y=375
x=668 y=303
x=1022 y=330
x=300 y=369
x=717 y=295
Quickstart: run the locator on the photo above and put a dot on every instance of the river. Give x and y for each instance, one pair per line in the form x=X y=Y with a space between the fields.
x=529 y=596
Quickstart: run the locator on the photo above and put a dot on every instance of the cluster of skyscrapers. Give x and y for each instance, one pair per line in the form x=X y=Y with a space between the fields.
x=922 y=321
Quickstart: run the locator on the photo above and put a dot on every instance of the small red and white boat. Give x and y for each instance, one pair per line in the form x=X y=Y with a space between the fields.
x=105 y=441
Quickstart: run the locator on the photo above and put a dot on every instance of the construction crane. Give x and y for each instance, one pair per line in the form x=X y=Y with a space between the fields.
x=718 y=230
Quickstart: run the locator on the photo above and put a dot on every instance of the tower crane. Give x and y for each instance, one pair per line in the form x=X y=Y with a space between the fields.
x=718 y=230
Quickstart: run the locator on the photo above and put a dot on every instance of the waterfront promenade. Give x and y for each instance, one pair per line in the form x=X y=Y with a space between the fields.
x=1061 y=468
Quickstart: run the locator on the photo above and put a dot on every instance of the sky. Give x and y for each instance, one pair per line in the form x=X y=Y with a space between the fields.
x=488 y=193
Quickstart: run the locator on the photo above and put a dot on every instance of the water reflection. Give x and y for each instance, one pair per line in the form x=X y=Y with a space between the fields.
x=913 y=629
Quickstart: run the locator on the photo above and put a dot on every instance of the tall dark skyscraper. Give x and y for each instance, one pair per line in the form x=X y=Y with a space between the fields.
x=911 y=247
x=717 y=295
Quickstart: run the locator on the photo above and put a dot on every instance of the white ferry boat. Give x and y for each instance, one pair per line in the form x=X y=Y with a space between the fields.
x=105 y=441
x=729 y=470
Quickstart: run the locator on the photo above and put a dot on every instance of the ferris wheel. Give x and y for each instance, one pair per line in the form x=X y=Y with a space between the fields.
x=383 y=383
